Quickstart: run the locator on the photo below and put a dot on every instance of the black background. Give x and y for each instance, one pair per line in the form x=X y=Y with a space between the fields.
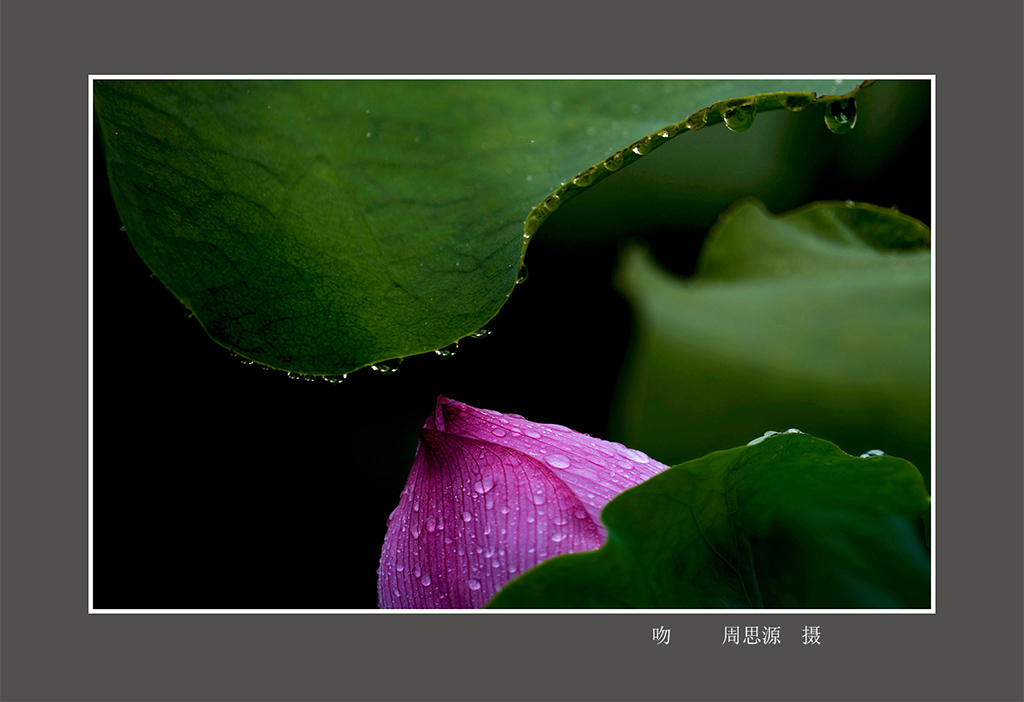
x=220 y=485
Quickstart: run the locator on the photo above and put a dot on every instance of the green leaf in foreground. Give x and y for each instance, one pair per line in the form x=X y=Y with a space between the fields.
x=322 y=226
x=790 y=522
x=819 y=319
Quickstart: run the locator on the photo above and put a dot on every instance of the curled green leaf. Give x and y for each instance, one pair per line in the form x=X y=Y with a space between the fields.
x=323 y=226
x=789 y=522
x=818 y=318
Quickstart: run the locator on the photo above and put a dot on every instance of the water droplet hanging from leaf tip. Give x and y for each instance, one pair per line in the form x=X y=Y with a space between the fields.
x=841 y=115
x=484 y=331
x=387 y=367
x=740 y=117
x=448 y=351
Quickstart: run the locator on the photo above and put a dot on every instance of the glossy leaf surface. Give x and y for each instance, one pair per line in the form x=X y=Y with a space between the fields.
x=819 y=319
x=322 y=226
x=790 y=522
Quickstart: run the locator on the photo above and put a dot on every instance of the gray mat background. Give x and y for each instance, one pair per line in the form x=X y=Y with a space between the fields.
x=52 y=649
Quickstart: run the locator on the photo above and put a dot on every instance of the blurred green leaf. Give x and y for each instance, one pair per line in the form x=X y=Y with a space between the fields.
x=818 y=319
x=322 y=226
x=789 y=522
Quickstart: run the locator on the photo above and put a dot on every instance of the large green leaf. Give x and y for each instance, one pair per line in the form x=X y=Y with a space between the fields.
x=322 y=226
x=789 y=522
x=818 y=319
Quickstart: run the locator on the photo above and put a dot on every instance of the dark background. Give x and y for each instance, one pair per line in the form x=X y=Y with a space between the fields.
x=222 y=485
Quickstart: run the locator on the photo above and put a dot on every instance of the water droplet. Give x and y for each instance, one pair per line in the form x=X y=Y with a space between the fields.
x=415 y=506
x=530 y=519
x=332 y=379
x=793 y=431
x=448 y=351
x=399 y=567
x=532 y=434
x=505 y=509
x=539 y=497
x=697 y=120
x=850 y=203
x=495 y=564
x=739 y=118
x=585 y=178
x=123 y=228
x=467 y=517
x=498 y=431
x=641 y=147
x=871 y=453
x=431 y=523
x=484 y=331
x=841 y=115
x=425 y=580
x=579 y=514
x=557 y=537
x=557 y=461
x=552 y=203
x=415 y=530
x=533 y=221
x=474 y=584
x=482 y=486
x=613 y=162
x=487 y=532
x=387 y=367
x=523 y=274
x=513 y=568
x=762 y=438
x=634 y=455
x=795 y=103
x=669 y=131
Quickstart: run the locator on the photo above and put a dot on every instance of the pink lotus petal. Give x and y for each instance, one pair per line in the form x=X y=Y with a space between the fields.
x=596 y=470
x=490 y=496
